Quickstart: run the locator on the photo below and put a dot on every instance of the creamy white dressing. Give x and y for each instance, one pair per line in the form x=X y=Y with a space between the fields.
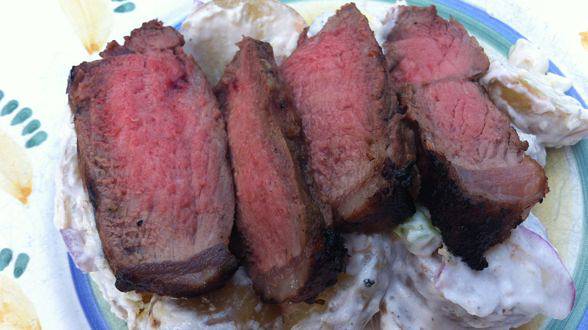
x=170 y=314
x=535 y=150
x=319 y=22
x=524 y=278
x=357 y=299
x=213 y=29
x=525 y=56
x=410 y=281
x=388 y=21
x=534 y=100
x=381 y=21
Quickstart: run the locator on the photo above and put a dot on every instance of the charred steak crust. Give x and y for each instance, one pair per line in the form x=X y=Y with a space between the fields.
x=152 y=155
x=346 y=122
x=470 y=221
x=468 y=158
x=476 y=223
x=212 y=267
x=264 y=128
x=323 y=266
x=401 y=169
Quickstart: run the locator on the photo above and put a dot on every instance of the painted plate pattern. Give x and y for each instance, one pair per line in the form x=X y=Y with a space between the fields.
x=500 y=37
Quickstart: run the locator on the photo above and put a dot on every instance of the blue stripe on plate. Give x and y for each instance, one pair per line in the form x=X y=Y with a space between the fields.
x=584 y=323
x=86 y=297
x=81 y=281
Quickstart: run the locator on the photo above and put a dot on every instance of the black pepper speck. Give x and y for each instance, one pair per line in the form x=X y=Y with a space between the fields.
x=368 y=282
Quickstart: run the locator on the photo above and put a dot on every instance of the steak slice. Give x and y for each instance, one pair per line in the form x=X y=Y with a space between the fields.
x=476 y=179
x=290 y=255
x=339 y=85
x=153 y=156
x=474 y=176
x=423 y=47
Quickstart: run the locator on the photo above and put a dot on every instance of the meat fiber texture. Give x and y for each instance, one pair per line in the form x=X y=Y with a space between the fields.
x=423 y=48
x=473 y=173
x=340 y=89
x=153 y=156
x=289 y=253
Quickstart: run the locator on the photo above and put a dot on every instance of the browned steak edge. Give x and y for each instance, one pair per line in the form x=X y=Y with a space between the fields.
x=393 y=202
x=328 y=252
x=469 y=224
x=476 y=223
x=175 y=278
x=168 y=278
x=329 y=260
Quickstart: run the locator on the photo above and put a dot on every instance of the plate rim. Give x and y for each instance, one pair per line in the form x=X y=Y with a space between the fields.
x=578 y=318
x=86 y=298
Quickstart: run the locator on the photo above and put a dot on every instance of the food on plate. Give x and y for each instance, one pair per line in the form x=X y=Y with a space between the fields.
x=355 y=299
x=423 y=48
x=214 y=28
x=333 y=138
x=339 y=88
x=535 y=149
x=152 y=153
x=525 y=277
x=534 y=99
x=349 y=304
x=474 y=176
x=290 y=255
x=418 y=234
x=234 y=306
x=74 y=217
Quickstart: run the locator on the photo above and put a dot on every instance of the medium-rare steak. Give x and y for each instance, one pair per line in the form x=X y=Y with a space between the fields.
x=153 y=155
x=474 y=176
x=423 y=47
x=476 y=179
x=290 y=255
x=339 y=86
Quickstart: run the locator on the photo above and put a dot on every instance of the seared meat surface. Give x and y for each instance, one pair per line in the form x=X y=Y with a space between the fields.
x=473 y=172
x=153 y=155
x=475 y=177
x=340 y=89
x=290 y=255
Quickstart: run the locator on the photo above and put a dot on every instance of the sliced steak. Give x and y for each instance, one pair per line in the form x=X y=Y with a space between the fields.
x=339 y=85
x=423 y=47
x=476 y=179
x=153 y=155
x=473 y=173
x=290 y=255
